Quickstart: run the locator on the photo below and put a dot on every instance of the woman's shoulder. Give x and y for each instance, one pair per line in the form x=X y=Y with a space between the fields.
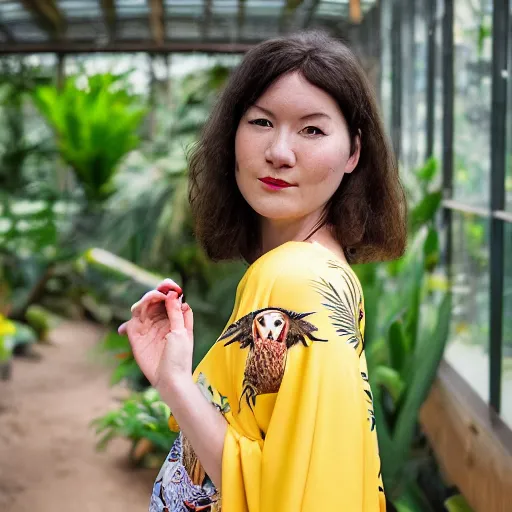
x=295 y=263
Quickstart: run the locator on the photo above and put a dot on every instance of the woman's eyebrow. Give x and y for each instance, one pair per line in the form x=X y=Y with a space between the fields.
x=303 y=118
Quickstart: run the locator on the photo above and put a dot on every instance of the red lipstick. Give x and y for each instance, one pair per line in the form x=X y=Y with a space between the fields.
x=275 y=184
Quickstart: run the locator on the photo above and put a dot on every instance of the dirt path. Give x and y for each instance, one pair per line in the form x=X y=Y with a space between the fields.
x=47 y=458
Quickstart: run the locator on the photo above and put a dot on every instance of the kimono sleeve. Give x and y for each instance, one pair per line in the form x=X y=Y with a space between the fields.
x=318 y=452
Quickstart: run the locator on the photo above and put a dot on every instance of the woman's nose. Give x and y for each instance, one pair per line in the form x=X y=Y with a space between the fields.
x=280 y=152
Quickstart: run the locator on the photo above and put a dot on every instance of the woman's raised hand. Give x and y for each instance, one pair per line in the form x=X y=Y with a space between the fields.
x=161 y=335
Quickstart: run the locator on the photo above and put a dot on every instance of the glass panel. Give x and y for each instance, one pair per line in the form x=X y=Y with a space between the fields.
x=258 y=8
x=80 y=9
x=188 y=30
x=27 y=32
x=468 y=347
x=225 y=7
x=418 y=150
x=472 y=55
x=506 y=375
x=13 y=11
x=407 y=93
x=438 y=87
x=386 y=69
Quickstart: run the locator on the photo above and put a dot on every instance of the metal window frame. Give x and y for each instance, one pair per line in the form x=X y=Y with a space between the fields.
x=396 y=77
x=448 y=126
x=495 y=213
x=431 y=69
x=500 y=24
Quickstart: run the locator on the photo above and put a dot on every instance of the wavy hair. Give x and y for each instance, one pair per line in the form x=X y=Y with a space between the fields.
x=367 y=213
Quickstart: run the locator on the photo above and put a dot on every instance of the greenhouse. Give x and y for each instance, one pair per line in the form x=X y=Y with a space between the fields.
x=102 y=106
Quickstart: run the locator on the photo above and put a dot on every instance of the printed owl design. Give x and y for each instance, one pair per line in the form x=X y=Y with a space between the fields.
x=269 y=333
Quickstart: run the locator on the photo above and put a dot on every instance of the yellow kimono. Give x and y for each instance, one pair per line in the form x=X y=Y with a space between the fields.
x=289 y=375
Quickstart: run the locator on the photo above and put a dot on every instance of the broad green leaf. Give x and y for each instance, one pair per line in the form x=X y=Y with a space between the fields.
x=457 y=504
x=390 y=379
x=431 y=250
x=425 y=364
x=428 y=171
x=398 y=346
x=425 y=211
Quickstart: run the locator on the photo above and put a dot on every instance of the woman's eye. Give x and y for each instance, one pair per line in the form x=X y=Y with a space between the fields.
x=261 y=122
x=313 y=130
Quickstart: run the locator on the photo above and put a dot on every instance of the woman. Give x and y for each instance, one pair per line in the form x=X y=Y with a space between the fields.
x=294 y=174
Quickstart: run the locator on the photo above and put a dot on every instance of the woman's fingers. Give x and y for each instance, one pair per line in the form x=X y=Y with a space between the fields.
x=188 y=318
x=174 y=313
x=139 y=309
x=168 y=285
x=122 y=329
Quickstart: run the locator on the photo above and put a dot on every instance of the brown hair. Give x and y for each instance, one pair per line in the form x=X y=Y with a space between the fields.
x=367 y=213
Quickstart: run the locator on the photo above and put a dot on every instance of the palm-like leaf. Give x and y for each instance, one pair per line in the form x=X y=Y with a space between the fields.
x=344 y=306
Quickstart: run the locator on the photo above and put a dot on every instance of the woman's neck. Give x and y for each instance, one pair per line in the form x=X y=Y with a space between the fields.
x=276 y=233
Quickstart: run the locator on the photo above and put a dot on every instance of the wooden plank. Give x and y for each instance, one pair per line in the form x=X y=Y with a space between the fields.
x=472 y=444
x=47 y=16
x=355 y=14
x=110 y=18
x=157 y=21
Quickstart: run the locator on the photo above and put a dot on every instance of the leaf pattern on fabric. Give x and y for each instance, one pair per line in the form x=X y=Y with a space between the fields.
x=346 y=314
x=346 y=307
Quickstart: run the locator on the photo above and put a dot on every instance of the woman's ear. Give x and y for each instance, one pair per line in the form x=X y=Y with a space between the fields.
x=354 y=157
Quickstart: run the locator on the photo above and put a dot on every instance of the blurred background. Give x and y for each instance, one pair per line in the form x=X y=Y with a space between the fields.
x=99 y=102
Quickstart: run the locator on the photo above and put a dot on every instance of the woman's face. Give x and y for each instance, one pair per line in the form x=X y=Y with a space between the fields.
x=292 y=149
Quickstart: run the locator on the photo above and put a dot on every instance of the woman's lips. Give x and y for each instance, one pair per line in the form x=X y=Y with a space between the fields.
x=275 y=184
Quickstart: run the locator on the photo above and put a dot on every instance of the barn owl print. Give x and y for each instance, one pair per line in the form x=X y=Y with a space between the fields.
x=268 y=333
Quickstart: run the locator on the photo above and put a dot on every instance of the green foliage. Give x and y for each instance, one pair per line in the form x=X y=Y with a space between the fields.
x=117 y=348
x=457 y=504
x=406 y=340
x=20 y=143
x=95 y=120
x=141 y=416
x=40 y=320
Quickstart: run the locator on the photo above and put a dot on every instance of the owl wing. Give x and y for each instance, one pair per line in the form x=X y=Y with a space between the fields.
x=240 y=331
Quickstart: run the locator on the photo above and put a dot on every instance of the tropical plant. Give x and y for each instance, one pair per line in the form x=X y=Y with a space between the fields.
x=147 y=220
x=143 y=419
x=407 y=329
x=26 y=150
x=95 y=120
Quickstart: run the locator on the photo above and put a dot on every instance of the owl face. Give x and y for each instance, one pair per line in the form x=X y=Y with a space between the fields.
x=270 y=325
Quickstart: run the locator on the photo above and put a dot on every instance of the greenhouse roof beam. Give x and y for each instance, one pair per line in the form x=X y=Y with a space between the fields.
x=110 y=18
x=129 y=47
x=207 y=18
x=287 y=13
x=6 y=33
x=240 y=18
x=47 y=16
x=355 y=13
x=311 y=12
x=157 y=21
